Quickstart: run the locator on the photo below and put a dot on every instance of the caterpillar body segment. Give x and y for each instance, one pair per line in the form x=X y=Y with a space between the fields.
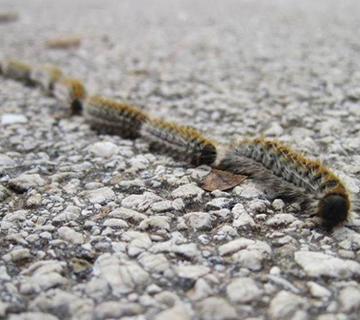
x=287 y=174
x=180 y=142
x=114 y=117
x=18 y=71
x=72 y=92
x=46 y=75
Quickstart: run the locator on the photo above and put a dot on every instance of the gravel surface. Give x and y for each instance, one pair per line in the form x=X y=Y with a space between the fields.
x=97 y=227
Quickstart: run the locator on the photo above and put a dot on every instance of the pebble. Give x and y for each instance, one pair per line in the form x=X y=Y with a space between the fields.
x=243 y=290
x=178 y=312
x=116 y=309
x=318 y=291
x=128 y=215
x=116 y=223
x=26 y=181
x=198 y=220
x=191 y=271
x=20 y=254
x=188 y=191
x=101 y=195
x=281 y=219
x=284 y=305
x=349 y=300
x=248 y=253
x=317 y=264
x=6 y=161
x=12 y=118
x=216 y=308
x=32 y=316
x=71 y=235
x=140 y=202
x=104 y=149
x=154 y=263
x=155 y=223
x=122 y=276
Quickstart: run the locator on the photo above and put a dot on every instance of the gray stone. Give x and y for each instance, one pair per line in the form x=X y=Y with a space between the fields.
x=215 y=308
x=104 y=149
x=188 y=191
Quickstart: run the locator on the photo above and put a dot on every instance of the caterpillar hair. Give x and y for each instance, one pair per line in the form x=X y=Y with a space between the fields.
x=46 y=75
x=290 y=175
x=114 y=117
x=180 y=142
x=18 y=71
x=72 y=92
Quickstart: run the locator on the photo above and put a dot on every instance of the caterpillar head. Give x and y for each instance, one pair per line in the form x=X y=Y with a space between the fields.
x=334 y=209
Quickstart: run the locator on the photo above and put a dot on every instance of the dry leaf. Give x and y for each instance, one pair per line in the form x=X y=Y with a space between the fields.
x=64 y=43
x=221 y=180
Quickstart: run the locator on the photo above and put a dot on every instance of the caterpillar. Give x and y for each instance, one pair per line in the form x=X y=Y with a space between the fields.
x=287 y=174
x=46 y=76
x=114 y=117
x=18 y=71
x=280 y=170
x=72 y=92
x=181 y=142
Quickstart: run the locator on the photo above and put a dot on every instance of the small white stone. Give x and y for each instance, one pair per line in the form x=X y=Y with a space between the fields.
x=101 y=195
x=244 y=220
x=281 y=219
x=20 y=254
x=318 y=264
x=140 y=202
x=198 y=220
x=243 y=290
x=154 y=263
x=27 y=181
x=278 y=204
x=216 y=308
x=349 y=299
x=188 y=191
x=155 y=223
x=104 y=149
x=318 y=291
x=284 y=305
x=12 y=118
x=32 y=316
x=250 y=192
x=127 y=214
x=162 y=206
x=116 y=223
x=178 y=312
x=6 y=161
x=191 y=271
x=19 y=215
x=218 y=203
x=71 y=235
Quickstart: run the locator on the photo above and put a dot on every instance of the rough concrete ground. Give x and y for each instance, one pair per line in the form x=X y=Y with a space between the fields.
x=97 y=227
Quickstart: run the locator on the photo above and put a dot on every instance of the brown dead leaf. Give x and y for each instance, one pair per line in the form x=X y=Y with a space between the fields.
x=64 y=43
x=221 y=180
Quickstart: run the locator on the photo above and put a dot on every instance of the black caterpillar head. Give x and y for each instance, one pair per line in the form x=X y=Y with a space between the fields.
x=334 y=209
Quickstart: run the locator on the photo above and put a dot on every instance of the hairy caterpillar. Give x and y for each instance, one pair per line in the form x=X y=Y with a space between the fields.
x=282 y=171
x=72 y=92
x=46 y=75
x=114 y=117
x=181 y=142
x=17 y=70
x=286 y=173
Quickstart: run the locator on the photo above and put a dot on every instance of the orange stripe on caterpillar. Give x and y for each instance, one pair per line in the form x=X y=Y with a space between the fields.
x=72 y=92
x=46 y=75
x=180 y=142
x=286 y=173
x=17 y=70
x=114 y=117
